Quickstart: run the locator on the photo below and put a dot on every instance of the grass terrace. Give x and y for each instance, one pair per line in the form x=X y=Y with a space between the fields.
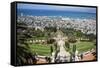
x=40 y=49
x=84 y=46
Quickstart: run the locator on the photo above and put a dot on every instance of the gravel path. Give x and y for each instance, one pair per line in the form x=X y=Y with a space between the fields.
x=88 y=57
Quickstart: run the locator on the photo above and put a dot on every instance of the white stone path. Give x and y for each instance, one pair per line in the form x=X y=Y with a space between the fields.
x=63 y=53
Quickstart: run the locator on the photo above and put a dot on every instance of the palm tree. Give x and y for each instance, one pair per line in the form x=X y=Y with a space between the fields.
x=23 y=51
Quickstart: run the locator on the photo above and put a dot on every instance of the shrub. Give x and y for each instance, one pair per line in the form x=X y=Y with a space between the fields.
x=50 y=41
x=72 y=40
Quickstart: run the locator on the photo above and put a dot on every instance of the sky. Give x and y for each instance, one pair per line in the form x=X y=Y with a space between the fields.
x=55 y=7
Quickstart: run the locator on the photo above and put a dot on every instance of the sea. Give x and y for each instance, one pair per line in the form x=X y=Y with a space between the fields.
x=69 y=14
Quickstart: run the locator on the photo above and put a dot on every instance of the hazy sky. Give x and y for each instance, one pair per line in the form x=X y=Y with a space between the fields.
x=54 y=7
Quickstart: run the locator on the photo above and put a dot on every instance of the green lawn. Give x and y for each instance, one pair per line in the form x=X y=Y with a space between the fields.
x=44 y=50
x=40 y=49
x=84 y=46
